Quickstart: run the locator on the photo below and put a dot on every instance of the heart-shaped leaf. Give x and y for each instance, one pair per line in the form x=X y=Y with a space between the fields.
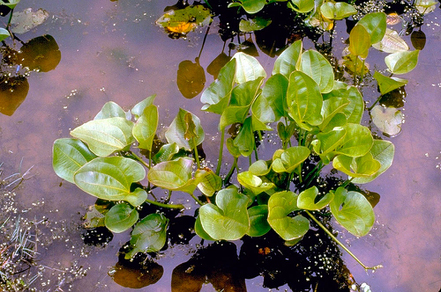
x=121 y=217
x=145 y=127
x=210 y=183
x=364 y=166
x=289 y=59
x=359 y=41
x=69 y=155
x=316 y=66
x=110 y=110
x=280 y=205
x=402 y=62
x=308 y=199
x=173 y=175
x=254 y=183
x=388 y=84
x=357 y=142
x=228 y=219
x=179 y=128
x=353 y=211
x=138 y=109
x=105 y=136
x=248 y=68
x=258 y=220
x=288 y=160
x=302 y=6
x=110 y=178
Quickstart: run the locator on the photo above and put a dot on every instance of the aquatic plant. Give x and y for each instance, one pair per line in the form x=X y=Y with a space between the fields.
x=317 y=119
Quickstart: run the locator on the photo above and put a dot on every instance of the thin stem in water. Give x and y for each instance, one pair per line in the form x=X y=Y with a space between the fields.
x=221 y=149
x=169 y=206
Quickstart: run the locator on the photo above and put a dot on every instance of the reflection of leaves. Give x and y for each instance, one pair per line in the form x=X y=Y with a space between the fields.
x=41 y=53
x=13 y=92
x=388 y=120
x=136 y=278
x=191 y=78
x=217 y=64
x=418 y=39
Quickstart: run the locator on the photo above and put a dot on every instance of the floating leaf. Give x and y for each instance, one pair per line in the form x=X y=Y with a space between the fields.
x=105 y=136
x=254 y=183
x=253 y=24
x=391 y=43
x=13 y=91
x=280 y=206
x=359 y=41
x=353 y=211
x=388 y=120
x=191 y=78
x=289 y=59
x=228 y=219
x=288 y=160
x=375 y=25
x=25 y=21
x=69 y=155
x=302 y=6
x=316 y=66
x=425 y=6
x=173 y=175
x=110 y=178
x=121 y=217
x=364 y=166
x=179 y=22
x=258 y=221
x=145 y=127
x=179 y=127
x=388 y=84
x=402 y=62
x=149 y=235
x=250 y=6
x=307 y=199
x=337 y=11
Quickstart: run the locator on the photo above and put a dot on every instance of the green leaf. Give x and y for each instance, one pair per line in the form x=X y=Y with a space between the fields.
x=217 y=96
x=288 y=160
x=210 y=183
x=391 y=43
x=316 y=66
x=250 y=6
x=302 y=6
x=244 y=140
x=354 y=110
x=259 y=167
x=4 y=34
x=110 y=110
x=69 y=155
x=149 y=235
x=105 y=136
x=402 y=62
x=145 y=127
x=280 y=206
x=375 y=25
x=304 y=100
x=179 y=128
x=363 y=166
x=139 y=108
x=173 y=175
x=228 y=219
x=388 y=84
x=253 y=24
x=332 y=106
x=359 y=41
x=254 y=183
x=200 y=230
x=258 y=221
x=248 y=68
x=121 y=217
x=337 y=11
x=353 y=211
x=110 y=178
x=10 y=3
x=387 y=119
x=329 y=141
x=382 y=151
x=288 y=60
x=166 y=153
x=357 y=142
x=307 y=199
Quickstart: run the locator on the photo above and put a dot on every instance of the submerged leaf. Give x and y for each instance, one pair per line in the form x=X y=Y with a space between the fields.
x=391 y=43
x=191 y=78
x=388 y=120
x=25 y=21
x=253 y=24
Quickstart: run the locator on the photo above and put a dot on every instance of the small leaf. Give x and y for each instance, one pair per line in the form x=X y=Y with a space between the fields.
x=258 y=221
x=259 y=167
x=105 y=136
x=145 y=127
x=364 y=166
x=307 y=199
x=254 y=183
x=250 y=6
x=280 y=205
x=166 y=153
x=149 y=235
x=302 y=6
x=388 y=84
x=388 y=120
x=359 y=41
x=10 y=3
x=69 y=155
x=418 y=39
x=110 y=110
x=4 y=34
x=248 y=68
x=210 y=183
x=179 y=128
x=121 y=217
x=402 y=62
x=138 y=109
x=190 y=78
x=172 y=175
x=290 y=159
x=353 y=211
x=253 y=24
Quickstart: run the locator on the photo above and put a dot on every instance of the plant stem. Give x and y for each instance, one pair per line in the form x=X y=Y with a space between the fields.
x=230 y=173
x=169 y=206
x=341 y=244
x=221 y=149
x=196 y=199
x=139 y=159
x=196 y=154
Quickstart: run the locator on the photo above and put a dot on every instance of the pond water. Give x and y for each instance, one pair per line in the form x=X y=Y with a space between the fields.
x=114 y=51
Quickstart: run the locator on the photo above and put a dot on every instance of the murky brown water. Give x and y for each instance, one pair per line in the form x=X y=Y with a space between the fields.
x=114 y=51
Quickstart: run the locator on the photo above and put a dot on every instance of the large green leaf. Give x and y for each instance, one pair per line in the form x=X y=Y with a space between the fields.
x=329 y=141
x=250 y=6
x=178 y=130
x=354 y=110
x=382 y=151
x=105 y=136
x=253 y=24
x=138 y=109
x=357 y=142
x=353 y=211
x=388 y=84
x=280 y=206
x=331 y=107
x=10 y=3
x=121 y=217
x=145 y=127
x=110 y=178
x=337 y=11
x=304 y=100
x=217 y=96
x=308 y=199
x=258 y=220
x=316 y=66
x=69 y=155
x=110 y=110
x=149 y=235
x=254 y=183
x=375 y=24
x=359 y=41
x=290 y=159
x=364 y=166
x=173 y=175
x=228 y=219
x=248 y=68
x=289 y=59
x=244 y=140
x=210 y=183
x=302 y=6
x=402 y=62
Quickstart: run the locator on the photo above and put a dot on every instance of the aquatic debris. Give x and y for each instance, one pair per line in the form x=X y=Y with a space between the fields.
x=388 y=120
x=25 y=21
